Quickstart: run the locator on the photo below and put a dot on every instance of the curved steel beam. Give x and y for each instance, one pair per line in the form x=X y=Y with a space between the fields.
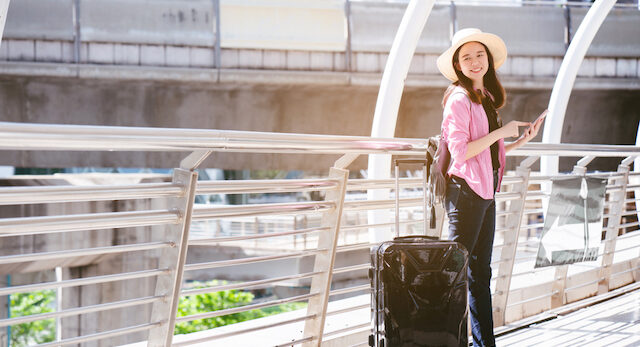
x=4 y=7
x=566 y=78
x=389 y=95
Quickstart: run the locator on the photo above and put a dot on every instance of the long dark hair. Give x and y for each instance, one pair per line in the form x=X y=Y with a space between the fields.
x=490 y=80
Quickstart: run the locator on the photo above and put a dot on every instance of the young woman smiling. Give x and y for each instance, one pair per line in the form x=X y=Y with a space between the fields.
x=475 y=136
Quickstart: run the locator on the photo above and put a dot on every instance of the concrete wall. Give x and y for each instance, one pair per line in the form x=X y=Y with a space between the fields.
x=339 y=110
x=309 y=35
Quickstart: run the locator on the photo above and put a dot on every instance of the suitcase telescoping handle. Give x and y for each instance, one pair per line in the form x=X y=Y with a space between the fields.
x=426 y=163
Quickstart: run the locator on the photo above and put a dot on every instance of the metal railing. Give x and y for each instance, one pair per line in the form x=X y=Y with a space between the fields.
x=137 y=261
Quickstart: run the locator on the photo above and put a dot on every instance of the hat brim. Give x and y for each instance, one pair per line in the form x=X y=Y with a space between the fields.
x=493 y=42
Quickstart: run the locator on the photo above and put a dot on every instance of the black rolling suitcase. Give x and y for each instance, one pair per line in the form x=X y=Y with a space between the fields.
x=419 y=292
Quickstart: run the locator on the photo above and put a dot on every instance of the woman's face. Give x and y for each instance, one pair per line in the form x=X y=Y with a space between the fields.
x=473 y=61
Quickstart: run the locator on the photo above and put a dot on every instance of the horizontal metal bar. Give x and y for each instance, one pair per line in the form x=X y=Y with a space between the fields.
x=537 y=195
x=526 y=272
x=223 y=263
x=534 y=211
x=246 y=285
x=504 y=230
x=575 y=150
x=625 y=271
x=512 y=179
x=243 y=331
x=81 y=281
x=508 y=196
x=629 y=235
x=628 y=225
x=503 y=213
x=355 y=246
x=582 y=285
x=264 y=186
x=102 y=335
x=89 y=221
x=245 y=308
x=344 y=330
x=348 y=309
x=389 y=183
x=204 y=213
x=25 y=136
x=81 y=310
x=363 y=205
x=378 y=225
x=297 y=342
x=351 y=268
x=533 y=299
x=213 y=241
x=364 y=287
x=57 y=194
x=84 y=252
x=531 y=226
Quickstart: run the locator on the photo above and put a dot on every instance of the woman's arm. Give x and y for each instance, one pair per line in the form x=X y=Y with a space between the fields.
x=510 y=130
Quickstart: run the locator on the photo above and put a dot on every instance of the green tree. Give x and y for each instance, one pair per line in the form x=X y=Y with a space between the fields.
x=26 y=304
x=221 y=300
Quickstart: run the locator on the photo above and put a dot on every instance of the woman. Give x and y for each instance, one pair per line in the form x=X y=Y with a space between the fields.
x=475 y=136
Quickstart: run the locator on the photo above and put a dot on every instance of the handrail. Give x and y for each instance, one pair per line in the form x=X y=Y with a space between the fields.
x=25 y=136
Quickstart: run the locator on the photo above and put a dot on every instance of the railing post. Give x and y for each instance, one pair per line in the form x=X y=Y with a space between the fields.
x=328 y=240
x=558 y=297
x=173 y=258
x=510 y=243
x=616 y=208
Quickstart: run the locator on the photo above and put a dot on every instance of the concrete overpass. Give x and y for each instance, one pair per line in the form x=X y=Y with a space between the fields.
x=312 y=68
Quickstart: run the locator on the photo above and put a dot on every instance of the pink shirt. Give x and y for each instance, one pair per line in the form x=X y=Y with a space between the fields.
x=465 y=121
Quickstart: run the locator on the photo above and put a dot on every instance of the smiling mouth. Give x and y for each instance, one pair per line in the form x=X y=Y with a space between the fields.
x=476 y=70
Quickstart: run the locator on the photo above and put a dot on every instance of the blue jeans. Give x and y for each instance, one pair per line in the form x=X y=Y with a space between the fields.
x=472 y=222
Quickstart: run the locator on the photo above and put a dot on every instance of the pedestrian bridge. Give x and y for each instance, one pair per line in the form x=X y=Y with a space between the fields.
x=123 y=249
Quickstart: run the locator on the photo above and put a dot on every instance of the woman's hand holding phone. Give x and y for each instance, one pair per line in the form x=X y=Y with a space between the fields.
x=532 y=130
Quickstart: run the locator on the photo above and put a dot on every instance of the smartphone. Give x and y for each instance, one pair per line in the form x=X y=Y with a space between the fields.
x=541 y=116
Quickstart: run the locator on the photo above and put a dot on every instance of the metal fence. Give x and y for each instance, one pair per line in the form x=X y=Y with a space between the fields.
x=129 y=255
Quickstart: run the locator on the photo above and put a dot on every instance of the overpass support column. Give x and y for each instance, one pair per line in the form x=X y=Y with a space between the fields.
x=386 y=112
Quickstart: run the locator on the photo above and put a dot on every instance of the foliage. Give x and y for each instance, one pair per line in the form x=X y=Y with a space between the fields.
x=221 y=300
x=25 y=304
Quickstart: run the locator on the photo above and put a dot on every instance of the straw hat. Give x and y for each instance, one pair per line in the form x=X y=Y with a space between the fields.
x=494 y=43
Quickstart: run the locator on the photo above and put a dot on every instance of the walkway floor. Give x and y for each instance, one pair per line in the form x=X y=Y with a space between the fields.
x=615 y=322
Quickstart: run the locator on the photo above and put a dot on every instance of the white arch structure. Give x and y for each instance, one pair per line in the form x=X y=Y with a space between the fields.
x=386 y=112
x=4 y=7
x=567 y=76
x=397 y=67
